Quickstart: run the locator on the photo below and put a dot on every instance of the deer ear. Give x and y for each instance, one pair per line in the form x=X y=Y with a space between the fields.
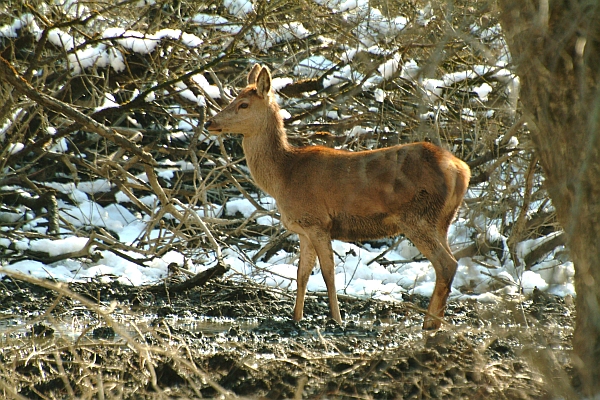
x=263 y=83
x=253 y=74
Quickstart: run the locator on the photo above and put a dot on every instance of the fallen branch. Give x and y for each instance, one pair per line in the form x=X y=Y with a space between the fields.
x=544 y=248
x=200 y=279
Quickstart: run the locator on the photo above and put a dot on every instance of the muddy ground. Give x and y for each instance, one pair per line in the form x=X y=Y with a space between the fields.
x=234 y=338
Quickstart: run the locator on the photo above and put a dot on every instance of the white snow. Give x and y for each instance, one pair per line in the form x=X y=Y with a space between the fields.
x=390 y=67
x=239 y=8
x=60 y=146
x=483 y=91
x=56 y=247
x=24 y=22
x=61 y=39
x=104 y=54
x=410 y=70
x=210 y=90
x=280 y=83
x=433 y=88
x=206 y=19
x=187 y=94
x=109 y=102
x=345 y=74
x=372 y=26
x=285 y=113
x=531 y=280
x=313 y=66
x=354 y=275
x=293 y=30
x=379 y=95
x=14 y=148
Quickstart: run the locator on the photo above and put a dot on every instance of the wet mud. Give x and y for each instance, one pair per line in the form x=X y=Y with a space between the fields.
x=231 y=338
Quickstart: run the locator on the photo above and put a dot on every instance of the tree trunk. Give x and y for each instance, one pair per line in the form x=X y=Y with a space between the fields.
x=555 y=46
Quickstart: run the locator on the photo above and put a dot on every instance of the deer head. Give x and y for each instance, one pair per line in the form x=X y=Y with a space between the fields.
x=251 y=111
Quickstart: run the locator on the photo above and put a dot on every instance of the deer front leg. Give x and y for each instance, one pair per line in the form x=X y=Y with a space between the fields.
x=322 y=244
x=305 y=266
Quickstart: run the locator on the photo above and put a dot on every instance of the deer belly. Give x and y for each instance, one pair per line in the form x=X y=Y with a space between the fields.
x=354 y=227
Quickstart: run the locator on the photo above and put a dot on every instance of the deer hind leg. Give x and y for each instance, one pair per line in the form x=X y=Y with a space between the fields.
x=306 y=264
x=321 y=242
x=445 y=266
x=436 y=250
x=444 y=226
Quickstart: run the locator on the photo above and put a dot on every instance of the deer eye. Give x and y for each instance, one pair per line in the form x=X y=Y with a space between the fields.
x=244 y=105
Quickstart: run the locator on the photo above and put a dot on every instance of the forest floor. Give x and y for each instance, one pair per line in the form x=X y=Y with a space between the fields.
x=232 y=339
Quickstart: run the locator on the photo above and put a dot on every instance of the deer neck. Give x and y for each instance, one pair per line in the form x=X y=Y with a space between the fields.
x=267 y=151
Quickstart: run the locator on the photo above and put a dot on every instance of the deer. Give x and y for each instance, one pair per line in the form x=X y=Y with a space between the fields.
x=324 y=194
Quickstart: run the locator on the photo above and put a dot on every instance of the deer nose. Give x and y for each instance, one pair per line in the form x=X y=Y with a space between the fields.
x=207 y=124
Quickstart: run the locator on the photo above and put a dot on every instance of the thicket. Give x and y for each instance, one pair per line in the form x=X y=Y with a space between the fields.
x=68 y=119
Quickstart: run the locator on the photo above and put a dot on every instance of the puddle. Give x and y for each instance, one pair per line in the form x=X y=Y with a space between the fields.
x=13 y=328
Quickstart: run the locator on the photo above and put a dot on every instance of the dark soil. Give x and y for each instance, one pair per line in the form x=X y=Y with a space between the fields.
x=237 y=338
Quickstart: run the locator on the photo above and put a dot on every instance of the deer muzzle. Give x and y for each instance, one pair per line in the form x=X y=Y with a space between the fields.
x=212 y=127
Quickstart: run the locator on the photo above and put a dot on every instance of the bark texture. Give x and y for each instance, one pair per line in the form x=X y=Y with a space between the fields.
x=556 y=48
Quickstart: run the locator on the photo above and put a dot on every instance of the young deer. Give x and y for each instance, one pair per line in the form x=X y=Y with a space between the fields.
x=324 y=194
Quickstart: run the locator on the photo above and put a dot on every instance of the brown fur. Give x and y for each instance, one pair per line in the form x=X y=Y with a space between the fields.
x=324 y=194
